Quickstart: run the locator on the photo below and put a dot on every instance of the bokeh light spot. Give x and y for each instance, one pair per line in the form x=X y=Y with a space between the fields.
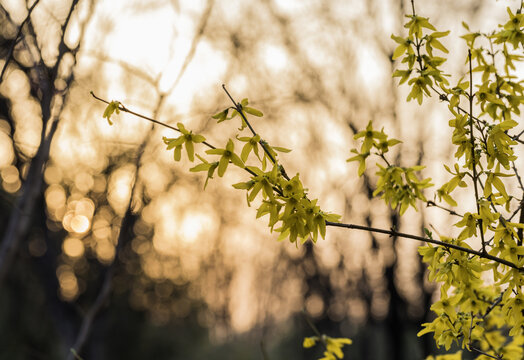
x=314 y=305
x=73 y=247
x=193 y=225
x=68 y=283
x=55 y=196
x=275 y=57
x=105 y=251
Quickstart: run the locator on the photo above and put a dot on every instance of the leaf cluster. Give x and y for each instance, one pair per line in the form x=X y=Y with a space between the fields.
x=481 y=305
x=482 y=316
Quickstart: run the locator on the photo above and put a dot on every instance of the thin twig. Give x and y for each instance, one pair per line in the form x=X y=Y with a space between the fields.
x=124 y=109
x=105 y=291
x=311 y=325
x=238 y=108
x=15 y=40
x=75 y=354
x=392 y=233
x=263 y=350
x=321 y=338
x=519 y=179
x=199 y=33
x=473 y=163
x=349 y=226
x=520 y=232
x=431 y=203
x=493 y=305
x=130 y=68
x=517 y=137
x=484 y=353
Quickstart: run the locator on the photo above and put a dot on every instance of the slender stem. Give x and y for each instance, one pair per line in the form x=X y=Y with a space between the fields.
x=444 y=97
x=427 y=240
x=124 y=109
x=472 y=140
x=343 y=225
x=484 y=353
x=516 y=137
x=431 y=203
x=314 y=328
x=470 y=342
x=519 y=231
x=517 y=209
x=385 y=159
x=75 y=354
x=521 y=207
x=519 y=179
x=491 y=347
x=311 y=325
x=493 y=305
x=238 y=108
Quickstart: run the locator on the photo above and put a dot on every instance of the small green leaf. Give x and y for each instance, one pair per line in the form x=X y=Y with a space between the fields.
x=198 y=138
x=222 y=165
x=221 y=116
x=253 y=111
x=178 y=153
x=182 y=128
x=281 y=149
x=244 y=185
x=200 y=167
x=235 y=159
x=190 y=151
x=112 y=107
x=175 y=142
x=215 y=151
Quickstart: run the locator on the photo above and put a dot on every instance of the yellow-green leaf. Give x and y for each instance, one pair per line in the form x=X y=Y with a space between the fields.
x=253 y=111
x=112 y=107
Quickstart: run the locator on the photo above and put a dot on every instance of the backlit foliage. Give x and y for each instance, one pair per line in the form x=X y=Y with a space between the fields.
x=481 y=306
x=481 y=271
x=285 y=200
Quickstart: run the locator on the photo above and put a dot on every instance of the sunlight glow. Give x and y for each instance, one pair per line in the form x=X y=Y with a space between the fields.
x=193 y=225
x=120 y=188
x=80 y=224
x=275 y=57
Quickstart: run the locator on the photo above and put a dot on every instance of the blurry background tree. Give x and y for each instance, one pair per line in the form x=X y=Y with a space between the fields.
x=110 y=247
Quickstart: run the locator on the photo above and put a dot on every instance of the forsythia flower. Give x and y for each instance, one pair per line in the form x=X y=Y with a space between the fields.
x=333 y=346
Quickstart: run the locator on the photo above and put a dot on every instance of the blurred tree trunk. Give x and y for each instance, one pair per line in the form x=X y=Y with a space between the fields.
x=43 y=78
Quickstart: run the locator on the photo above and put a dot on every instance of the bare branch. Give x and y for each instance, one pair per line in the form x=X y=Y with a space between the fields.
x=105 y=290
x=190 y=55
x=15 y=40
x=427 y=240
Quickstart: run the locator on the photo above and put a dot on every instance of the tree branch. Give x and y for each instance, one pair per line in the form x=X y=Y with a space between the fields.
x=472 y=141
x=262 y=143
x=392 y=233
x=199 y=33
x=329 y=223
x=105 y=291
x=15 y=40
